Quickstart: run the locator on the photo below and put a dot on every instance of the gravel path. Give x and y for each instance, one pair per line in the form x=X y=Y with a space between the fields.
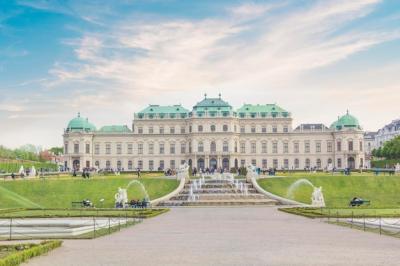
x=229 y=236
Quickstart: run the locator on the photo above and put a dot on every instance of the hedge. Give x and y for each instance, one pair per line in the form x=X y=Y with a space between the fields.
x=18 y=257
x=385 y=163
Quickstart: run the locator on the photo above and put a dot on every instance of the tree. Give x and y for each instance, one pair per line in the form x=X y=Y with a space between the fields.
x=57 y=150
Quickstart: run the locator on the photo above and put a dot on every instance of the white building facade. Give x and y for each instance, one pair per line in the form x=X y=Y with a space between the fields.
x=388 y=132
x=214 y=135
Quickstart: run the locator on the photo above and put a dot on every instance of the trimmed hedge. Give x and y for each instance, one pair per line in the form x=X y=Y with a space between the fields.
x=17 y=257
x=385 y=163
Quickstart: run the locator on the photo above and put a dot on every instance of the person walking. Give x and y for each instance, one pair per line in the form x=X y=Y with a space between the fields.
x=138 y=172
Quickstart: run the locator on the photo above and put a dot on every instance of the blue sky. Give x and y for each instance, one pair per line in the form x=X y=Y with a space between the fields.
x=109 y=59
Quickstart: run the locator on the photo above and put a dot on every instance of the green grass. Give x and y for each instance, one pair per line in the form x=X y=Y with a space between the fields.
x=60 y=192
x=54 y=213
x=13 y=166
x=342 y=212
x=338 y=190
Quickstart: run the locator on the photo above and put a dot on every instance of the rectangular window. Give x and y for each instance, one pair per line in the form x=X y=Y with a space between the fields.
x=151 y=165
x=361 y=146
x=161 y=164
x=140 y=148
x=151 y=130
x=285 y=147
x=151 y=148
x=183 y=148
x=66 y=148
x=183 y=162
x=264 y=147
x=264 y=130
x=161 y=129
x=339 y=163
x=253 y=147
x=274 y=129
x=264 y=163
x=242 y=147
x=140 y=130
x=242 y=130
x=296 y=147
x=97 y=148
x=318 y=147
x=307 y=147
x=253 y=129
x=87 y=148
x=275 y=163
x=161 y=148
x=108 y=148
x=172 y=164
x=350 y=145
x=275 y=147
x=339 y=146
x=119 y=148
x=242 y=163
x=140 y=164
x=254 y=162
x=286 y=163
x=182 y=130
x=329 y=146
x=172 y=148
x=285 y=129
x=76 y=147
x=130 y=148
x=172 y=130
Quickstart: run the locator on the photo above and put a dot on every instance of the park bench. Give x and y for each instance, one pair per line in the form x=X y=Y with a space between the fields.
x=356 y=202
x=82 y=204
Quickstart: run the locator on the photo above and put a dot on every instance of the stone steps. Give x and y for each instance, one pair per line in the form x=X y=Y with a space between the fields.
x=218 y=192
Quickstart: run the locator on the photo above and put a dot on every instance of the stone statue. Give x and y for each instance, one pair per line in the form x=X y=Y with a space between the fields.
x=251 y=172
x=182 y=171
x=121 y=198
x=317 y=198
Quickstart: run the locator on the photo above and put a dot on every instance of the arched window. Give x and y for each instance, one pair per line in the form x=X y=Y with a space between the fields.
x=212 y=128
x=350 y=145
x=307 y=163
x=200 y=128
x=225 y=128
x=225 y=146
x=329 y=161
x=213 y=146
x=296 y=163
x=318 y=163
x=200 y=147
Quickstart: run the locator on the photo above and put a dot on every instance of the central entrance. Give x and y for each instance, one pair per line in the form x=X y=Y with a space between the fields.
x=213 y=163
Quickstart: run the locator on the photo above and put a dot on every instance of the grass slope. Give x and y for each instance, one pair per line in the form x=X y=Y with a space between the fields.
x=382 y=191
x=53 y=193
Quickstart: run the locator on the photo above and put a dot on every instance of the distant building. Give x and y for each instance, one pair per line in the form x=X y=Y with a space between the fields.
x=369 y=144
x=387 y=133
x=214 y=135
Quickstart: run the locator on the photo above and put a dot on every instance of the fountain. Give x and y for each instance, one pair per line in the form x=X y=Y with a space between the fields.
x=21 y=171
x=32 y=173
x=121 y=198
x=317 y=198
x=251 y=172
x=146 y=195
x=183 y=171
x=397 y=168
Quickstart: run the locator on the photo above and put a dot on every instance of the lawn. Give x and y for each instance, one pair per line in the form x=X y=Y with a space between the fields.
x=60 y=192
x=383 y=190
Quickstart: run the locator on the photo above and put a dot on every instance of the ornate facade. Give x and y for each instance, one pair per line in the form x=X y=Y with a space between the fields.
x=214 y=135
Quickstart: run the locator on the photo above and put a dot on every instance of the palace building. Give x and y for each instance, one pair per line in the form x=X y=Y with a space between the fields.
x=213 y=135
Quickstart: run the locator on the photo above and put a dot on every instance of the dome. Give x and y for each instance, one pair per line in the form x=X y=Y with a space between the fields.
x=346 y=121
x=80 y=124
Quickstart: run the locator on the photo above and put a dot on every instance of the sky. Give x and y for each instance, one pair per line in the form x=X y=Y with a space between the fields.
x=110 y=59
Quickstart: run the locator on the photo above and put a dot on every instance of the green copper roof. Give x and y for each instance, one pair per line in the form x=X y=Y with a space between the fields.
x=262 y=110
x=115 y=129
x=346 y=121
x=212 y=104
x=169 y=109
x=80 y=124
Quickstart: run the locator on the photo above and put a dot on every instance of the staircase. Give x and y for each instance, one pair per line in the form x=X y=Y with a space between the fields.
x=218 y=192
